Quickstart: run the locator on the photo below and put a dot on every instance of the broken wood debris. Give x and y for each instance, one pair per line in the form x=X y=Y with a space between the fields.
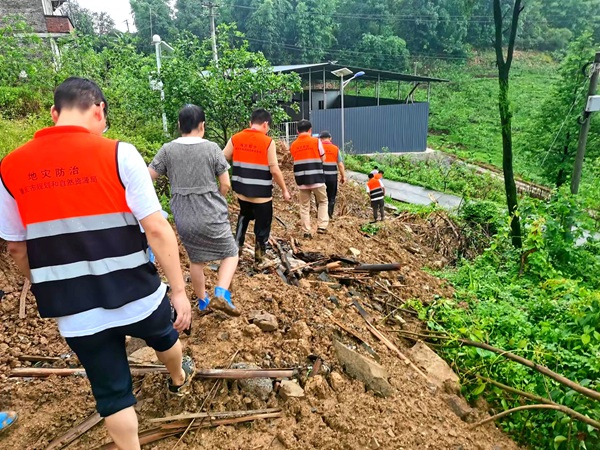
x=176 y=428
x=389 y=344
x=225 y=374
x=214 y=415
x=23 y=299
x=75 y=432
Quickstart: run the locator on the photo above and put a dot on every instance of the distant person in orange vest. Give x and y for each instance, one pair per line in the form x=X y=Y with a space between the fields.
x=379 y=175
x=376 y=192
x=308 y=154
x=255 y=166
x=334 y=161
x=72 y=202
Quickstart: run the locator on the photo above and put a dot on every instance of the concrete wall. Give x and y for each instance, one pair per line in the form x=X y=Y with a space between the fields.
x=31 y=10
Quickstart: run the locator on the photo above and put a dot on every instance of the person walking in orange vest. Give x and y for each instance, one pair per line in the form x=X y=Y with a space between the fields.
x=376 y=192
x=308 y=155
x=255 y=166
x=72 y=202
x=334 y=161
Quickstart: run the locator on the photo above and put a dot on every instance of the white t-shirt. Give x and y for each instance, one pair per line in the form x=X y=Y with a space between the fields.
x=142 y=200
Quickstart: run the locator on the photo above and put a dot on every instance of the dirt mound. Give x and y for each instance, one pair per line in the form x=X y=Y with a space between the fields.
x=337 y=412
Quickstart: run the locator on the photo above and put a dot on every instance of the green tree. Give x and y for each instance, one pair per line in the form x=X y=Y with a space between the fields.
x=314 y=29
x=228 y=91
x=267 y=28
x=504 y=64
x=437 y=26
x=382 y=52
x=190 y=16
x=151 y=17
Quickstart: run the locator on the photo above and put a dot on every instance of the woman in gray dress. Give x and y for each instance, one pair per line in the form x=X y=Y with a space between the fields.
x=193 y=166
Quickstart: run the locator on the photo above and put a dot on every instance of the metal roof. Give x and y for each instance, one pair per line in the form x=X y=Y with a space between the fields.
x=372 y=74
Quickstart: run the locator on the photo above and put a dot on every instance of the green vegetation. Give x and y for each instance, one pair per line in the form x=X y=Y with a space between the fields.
x=546 y=309
x=541 y=302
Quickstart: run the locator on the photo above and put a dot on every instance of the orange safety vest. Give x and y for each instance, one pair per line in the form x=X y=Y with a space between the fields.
x=308 y=166
x=375 y=189
x=251 y=175
x=378 y=176
x=85 y=247
x=331 y=160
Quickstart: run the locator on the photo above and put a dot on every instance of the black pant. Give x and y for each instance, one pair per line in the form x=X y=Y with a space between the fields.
x=262 y=214
x=104 y=358
x=332 y=186
x=377 y=205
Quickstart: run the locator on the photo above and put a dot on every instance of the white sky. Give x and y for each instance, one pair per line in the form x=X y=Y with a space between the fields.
x=119 y=10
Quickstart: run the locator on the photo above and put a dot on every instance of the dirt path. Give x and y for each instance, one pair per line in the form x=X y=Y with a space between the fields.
x=337 y=412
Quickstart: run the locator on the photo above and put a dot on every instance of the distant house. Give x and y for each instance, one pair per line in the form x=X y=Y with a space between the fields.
x=40 y=15
x=373 y=122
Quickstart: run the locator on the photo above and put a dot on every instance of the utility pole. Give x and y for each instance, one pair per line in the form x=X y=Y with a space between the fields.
x=127 y=24
x=585 y=128
x=213 y=32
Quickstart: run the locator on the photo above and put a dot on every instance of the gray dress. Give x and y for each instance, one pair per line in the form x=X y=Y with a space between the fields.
x=200 y=211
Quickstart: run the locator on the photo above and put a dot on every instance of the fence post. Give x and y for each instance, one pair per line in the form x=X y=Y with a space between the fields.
x=287 y=133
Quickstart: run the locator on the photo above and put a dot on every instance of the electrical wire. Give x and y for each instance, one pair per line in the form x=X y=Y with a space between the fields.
x=578 y=96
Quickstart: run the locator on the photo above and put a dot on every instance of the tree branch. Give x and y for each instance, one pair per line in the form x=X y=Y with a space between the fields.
x=513 y=32
x=520 y=408
x=568 y=411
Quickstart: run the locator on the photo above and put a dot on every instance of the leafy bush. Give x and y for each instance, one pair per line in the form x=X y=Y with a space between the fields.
x=542 y=304
x=18 y=102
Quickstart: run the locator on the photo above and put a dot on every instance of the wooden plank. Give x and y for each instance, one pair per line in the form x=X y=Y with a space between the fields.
x=225 y=374
x=75 y=432
x=216 y=415
x=23 y=299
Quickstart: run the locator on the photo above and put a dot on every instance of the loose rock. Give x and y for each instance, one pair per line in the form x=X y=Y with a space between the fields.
x=336 y=381
x=263 y=320
x=300 y=330
x=460 y=407
x=354 y=252
x=435 y=367
x=144 y=355
x=290 y=389
x=318 y=387
x=363 y=369
x=261 y=387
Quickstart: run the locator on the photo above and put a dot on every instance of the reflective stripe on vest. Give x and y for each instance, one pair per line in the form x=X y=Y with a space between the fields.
x=375 y=190
x=251 y=175
x=308 y=166
x=84 y=245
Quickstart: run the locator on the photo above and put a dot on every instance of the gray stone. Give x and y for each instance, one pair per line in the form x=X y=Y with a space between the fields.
x=364 y=369
x=325 y=278
x=460 y=407
x=260 y=387
x=263 y=320
x=290 y=389
x=333 y=299
x=144 y=355
x=435 y=367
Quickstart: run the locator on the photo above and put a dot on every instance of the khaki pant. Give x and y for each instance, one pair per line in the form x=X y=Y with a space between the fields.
x=322 y=215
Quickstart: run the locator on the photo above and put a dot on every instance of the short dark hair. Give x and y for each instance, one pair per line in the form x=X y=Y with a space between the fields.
x=325 y=134
x=381 y=172
x=375 y=168
x=79 y=93
x=190 y=116
x=260 y=116
x=304 y=126
x=371 y=176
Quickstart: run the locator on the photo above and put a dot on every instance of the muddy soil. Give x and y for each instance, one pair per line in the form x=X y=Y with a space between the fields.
x=347 y=417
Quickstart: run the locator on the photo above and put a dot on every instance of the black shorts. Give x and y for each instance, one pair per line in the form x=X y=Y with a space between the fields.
x=104 y=357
